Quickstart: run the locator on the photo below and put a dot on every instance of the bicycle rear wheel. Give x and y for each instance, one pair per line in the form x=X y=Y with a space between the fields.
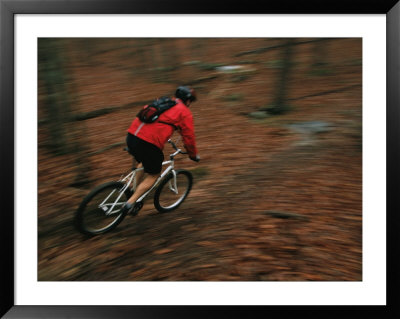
x=100 y=210
x=169 y=195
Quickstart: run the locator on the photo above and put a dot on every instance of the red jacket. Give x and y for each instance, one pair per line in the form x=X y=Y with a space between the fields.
x=158 y=133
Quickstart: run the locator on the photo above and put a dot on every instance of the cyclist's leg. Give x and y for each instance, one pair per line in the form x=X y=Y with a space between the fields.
x=136 y=150
x=139 y=174
x=151 y=158
x=143 y=187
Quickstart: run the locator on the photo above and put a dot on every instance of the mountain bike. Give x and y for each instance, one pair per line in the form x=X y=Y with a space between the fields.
x=100 y=211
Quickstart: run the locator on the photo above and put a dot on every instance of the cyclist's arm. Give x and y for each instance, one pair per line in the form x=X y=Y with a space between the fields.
x=187 y=131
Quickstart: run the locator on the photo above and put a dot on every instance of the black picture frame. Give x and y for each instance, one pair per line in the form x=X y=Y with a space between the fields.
x=8 y=10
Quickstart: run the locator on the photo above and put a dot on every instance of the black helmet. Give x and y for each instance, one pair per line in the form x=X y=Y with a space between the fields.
x=185 y=93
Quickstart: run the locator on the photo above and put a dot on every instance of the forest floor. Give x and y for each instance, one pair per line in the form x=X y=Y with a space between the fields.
x=275 y=198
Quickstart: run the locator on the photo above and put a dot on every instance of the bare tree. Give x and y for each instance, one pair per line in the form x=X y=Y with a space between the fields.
x=64 y=136
x=279 y=104
x=51 y=74
x=319 y=61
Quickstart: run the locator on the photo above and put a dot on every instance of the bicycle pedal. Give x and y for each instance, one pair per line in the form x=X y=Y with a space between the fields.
x=138 y=206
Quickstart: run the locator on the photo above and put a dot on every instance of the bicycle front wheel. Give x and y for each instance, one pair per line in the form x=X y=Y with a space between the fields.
x=173 y=190
x=100 y=210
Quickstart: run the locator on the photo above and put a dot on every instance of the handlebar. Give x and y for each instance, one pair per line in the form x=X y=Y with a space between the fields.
x=176 y=148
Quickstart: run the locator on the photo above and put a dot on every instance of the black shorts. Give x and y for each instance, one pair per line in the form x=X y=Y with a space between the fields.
x=146 y=153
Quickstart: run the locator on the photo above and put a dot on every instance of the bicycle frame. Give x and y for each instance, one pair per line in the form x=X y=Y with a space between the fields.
x=131 y=179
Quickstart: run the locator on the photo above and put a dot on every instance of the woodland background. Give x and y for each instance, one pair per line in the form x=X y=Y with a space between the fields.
x=277 y=194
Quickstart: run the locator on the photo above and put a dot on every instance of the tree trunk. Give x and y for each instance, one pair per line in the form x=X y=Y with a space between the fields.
x=320 y=54
x=279 y=105
x=51 y=74
x=64 y=136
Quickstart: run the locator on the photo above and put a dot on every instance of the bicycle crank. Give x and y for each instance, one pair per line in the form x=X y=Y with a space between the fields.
x=138 y=206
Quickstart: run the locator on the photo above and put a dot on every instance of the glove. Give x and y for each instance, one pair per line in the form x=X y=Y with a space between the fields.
x=195 y=158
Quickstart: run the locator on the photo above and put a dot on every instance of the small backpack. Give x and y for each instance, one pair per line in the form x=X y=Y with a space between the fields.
x=150 y=113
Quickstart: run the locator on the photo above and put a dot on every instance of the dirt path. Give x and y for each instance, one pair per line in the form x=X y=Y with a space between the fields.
x=249 y=222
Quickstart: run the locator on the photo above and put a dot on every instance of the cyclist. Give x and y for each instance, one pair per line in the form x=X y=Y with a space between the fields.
x=146 y=140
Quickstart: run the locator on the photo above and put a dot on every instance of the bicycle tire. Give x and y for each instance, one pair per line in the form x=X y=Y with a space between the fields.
x=163 y=195
x=85 y=213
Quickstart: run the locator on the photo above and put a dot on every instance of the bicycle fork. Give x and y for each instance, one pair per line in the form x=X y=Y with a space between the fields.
x=172 y=183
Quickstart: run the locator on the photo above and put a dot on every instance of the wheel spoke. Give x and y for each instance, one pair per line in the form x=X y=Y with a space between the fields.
x=101 y=210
